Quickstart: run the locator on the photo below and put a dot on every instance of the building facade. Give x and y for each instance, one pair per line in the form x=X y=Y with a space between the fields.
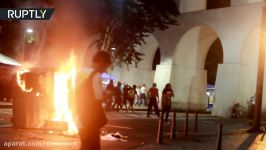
x=184 y=49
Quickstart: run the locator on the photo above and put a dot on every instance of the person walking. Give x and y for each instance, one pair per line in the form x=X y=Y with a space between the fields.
x=110 y=93
x=90 y=114
x=118 y=97
x=125 y=96
x=137 y=99
x=153 y=100
x=143 y=91
x=131 y=96
x=167 y=94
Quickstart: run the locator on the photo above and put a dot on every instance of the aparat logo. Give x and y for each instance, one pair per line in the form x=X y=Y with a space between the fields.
x=26 y=13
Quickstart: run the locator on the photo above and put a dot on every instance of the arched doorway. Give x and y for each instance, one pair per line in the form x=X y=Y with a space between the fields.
x=214 y=57
x=189 y=72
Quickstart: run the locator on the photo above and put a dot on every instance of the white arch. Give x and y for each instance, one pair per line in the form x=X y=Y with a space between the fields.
x=193 y=47
x=149 y=50
x=188 y=76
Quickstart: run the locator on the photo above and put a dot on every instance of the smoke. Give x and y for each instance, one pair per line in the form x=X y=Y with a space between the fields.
x=66 y=32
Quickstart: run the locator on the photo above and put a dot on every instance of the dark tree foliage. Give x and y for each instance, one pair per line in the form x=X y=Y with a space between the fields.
x=129 y=22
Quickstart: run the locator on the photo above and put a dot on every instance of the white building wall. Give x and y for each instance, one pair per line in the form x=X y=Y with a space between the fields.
x=137 y=76
x=189 y=86
x=186 y=6
x=162 y=76
x=143 y=73
x=183 y=66
x=226 y=89
x=188 y=76
x=248 y=67
x=232 y=25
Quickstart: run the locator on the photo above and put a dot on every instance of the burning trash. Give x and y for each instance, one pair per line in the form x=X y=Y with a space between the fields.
x=21 y=80
x=45 y=98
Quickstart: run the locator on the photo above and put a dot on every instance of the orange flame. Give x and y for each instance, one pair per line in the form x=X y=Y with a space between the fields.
x=64 y=85
x=21 y=82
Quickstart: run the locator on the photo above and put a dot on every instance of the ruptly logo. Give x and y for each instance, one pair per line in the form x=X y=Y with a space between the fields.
x=26 y=13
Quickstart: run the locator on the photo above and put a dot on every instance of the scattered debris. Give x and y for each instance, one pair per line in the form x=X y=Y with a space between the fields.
x=114 y=137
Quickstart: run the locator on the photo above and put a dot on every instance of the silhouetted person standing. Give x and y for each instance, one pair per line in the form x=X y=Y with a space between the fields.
x=131 y=96
x=137 y=101
x=110 y=93
x=125 y=96
x=143 y=92
x=167 y=94
x=153 y=99
x=118 y=97
x=90 y=114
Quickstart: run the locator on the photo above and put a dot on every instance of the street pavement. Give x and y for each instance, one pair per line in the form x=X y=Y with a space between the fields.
x=141 y=134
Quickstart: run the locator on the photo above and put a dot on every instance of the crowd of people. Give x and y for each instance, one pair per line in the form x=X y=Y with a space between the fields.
x=89 y=95
x=125 y=97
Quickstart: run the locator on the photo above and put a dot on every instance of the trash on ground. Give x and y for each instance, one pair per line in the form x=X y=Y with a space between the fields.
x=114 y=137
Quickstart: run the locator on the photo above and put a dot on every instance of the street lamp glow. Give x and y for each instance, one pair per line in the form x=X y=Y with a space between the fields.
x=29 y=30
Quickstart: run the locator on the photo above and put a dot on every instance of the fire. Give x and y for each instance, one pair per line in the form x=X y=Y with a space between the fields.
x=21 y=82
x=64 y=85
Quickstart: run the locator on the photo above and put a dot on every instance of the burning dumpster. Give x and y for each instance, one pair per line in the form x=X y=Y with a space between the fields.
x=45 y=99
x=31 y=102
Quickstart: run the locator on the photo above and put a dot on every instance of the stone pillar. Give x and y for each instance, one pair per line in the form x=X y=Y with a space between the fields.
x=227 y=82
x=162 y=77
x=189 y=85
x=247 y=84
x=197 y=97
